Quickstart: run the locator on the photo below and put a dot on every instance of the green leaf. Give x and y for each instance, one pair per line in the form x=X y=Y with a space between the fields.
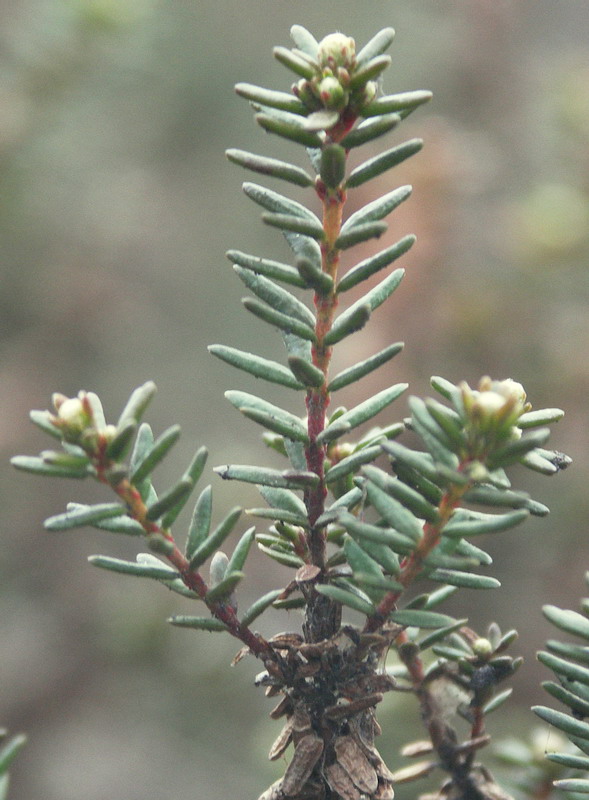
x=277 y=203
x=542 y=416
x=321 y=120
x=489 y=496
x=279 y=320
x=467 y=580
x=269 y=97
x=417 y=618
x=42 y=419
x=394 y=513
x=157 y=571
x=282 y=498
x=447 y=389
x=155 y=454
x=419 y=461
x=172 y=501
x=411 y=499
x=573 y=652
x=270 y=166
x=38 y=466
x=490 y=523
x=77 y=516
x=306 y=372
x=376 y=210
x=290 y=129
x=332 y=168
x=380 y=42
x=569 y=760
x=351 y=463
x=370 y=129
x=563 y=667
x=137 y=403
x=215 y=539
x=360 y=233
x=346 y=598
x=497 y=701
x=569 y=621
x=398 y=542
x=434 y=437
x=10 y=750
x=368 y=70
x=200 y=522
x=513 y=452
x=278 y=514
x=359 y=560
x=352 y=320
x=287 y=559
x=367 y=409
x=578 y=785
x=209 y=624
x=313 y=277
x=535 y=461
x=259 y=606
x=377 y=582
x=265 y=476
x=239 y=555
x=381 y=163
x=278 y=298
x=362 y=368
x=570 y=726
x=449 y=421
x=382 y=554
x=440 y=634
x=369 y=266
x=304 y=40
x=224 y=588
x=266 y=267
x=569 y=698
x=273 y=417
x=255 y=365
x=294 y=62
x=119 y=445
x=288 y=222
x=358 y=310
x=403 y=103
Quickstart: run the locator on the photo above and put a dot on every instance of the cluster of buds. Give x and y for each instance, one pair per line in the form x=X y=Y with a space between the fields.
x=492 y=412
x=336 y=80
x=80 y=420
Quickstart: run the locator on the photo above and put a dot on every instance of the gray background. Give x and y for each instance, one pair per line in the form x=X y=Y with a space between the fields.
x=116 y=207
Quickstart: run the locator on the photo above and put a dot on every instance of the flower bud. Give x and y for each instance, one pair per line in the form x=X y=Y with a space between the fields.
x=337 y=50
x=332 y=94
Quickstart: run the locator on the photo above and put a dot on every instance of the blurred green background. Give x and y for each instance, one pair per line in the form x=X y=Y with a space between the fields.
x=116 y=207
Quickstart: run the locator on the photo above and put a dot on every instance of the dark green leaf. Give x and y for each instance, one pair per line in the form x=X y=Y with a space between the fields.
x=272 y=98
x=569 y=760
x=275 y=418
x=497 y=701
x=346 y=598
x=279 y=320
x=563 y=667
x=578 y=785
x=394 y=513
x=570 y=726
x=294 y=62
x=489 y=496
x=398 y=542
x=351 y=463
x=200 y=523
x=368 y=70
x=241 y=551
x=382 y=554
x=224 y=588
x=209 y=624
x=266 y=267
x=408 y=497
x=491 y=523
x=569 y=698
x=289 y=129
x=360 y=233
x=380 y=42
x=278 y=514
x=370 y=129
x=376 y=210
x=265 y=476
x=270 y=166
x=155 y=454
x=259 y=606
x=288 y=222
x=332 y=169
x=368 y=409
x=513 y=451
x=306 y=372
x=313 y=277
x=416 y=618
x=137 y=403
x=158 y=571
x=403 y=103
x=119 y=445
x=172 y=501
x=381 y=163
x=359 y=560
x=569 y=621
x=78 y=515
x=38 y=466
x=278 y=298
x=358 y=371
x=352 y=320
x=416 y=460
x=574 y=652
x=215 y=539
x=440 y=634
x=466 y=580
x=285 y=558
x=10 y=750
x=369 y=266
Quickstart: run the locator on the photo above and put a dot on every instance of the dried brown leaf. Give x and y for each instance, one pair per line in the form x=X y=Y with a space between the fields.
x=351 y=757
x=306 y=755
